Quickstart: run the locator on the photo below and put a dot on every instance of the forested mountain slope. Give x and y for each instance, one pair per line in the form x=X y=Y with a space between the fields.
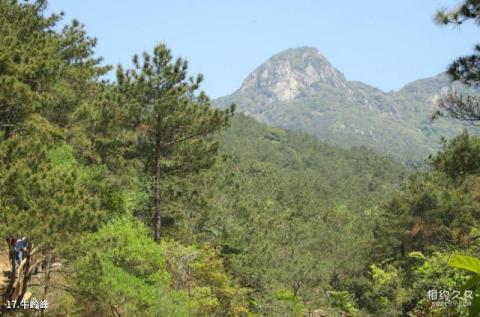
x=355 y=176
x=299 y=89
x=136 y=197
x=295 y=214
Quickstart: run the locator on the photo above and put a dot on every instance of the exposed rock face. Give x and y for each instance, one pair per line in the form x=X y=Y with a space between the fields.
x=285 y=75
x=298 y=89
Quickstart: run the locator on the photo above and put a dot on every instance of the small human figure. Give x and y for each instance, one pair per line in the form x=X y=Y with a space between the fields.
x=19 y=250
x=11 y=241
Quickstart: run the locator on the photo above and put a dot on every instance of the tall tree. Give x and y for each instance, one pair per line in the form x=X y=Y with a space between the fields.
x=45 y=193
x=41 y=70
x=171 y=118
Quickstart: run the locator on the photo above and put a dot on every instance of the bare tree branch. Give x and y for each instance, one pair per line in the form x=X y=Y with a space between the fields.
x=464 y=108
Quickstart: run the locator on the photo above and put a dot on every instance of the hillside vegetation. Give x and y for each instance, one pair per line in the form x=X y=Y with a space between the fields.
x=298 y=89
x=138 y=198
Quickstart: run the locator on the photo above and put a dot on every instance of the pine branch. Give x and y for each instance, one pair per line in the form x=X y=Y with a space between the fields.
x=191 y=136
x=464 y=108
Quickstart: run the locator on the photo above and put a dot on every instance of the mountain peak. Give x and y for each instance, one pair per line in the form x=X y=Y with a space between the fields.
x=299 y=52
x=285 y=75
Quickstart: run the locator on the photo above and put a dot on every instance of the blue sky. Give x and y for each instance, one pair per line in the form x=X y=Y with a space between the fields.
x=380 y=42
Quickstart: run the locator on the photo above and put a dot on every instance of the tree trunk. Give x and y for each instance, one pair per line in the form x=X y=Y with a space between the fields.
x=158 y=210
x=7 y=132
x=48 y=272
x=26 y=277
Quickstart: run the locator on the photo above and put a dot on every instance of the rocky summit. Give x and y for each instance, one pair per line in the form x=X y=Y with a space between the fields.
x=286 y=75
x=298 y=89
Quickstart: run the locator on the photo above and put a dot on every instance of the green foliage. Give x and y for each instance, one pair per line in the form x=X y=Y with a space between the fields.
x=343 y=301
x=435 y=213
x=200 y=270
x=122 y=269
x=71 y=154
x=170 y=119
x=433 y=273
x=346 y=113
x=470 y=264
x=46 y=194
x=286 y=303
x=461 y=157
x=292 y=213
x=388 y=286
x=465 y=262
x=161 y=98
x=255 y=219
x=41 y=70
x=464 y=106
x=432 y=212
x=464 y=68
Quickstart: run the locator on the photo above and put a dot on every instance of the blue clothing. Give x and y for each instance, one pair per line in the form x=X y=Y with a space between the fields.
x=20 y=256
x=18 y=251
x=20 y=245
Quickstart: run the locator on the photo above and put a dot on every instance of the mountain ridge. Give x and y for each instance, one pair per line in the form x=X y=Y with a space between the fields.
x=299 y=89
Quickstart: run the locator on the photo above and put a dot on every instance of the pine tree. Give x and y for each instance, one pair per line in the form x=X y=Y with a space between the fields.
x=464 y=69
x=41 y=70
x=45 y=193
x=172 y=121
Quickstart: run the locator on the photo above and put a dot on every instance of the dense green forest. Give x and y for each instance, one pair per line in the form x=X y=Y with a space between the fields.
x=138 y=198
